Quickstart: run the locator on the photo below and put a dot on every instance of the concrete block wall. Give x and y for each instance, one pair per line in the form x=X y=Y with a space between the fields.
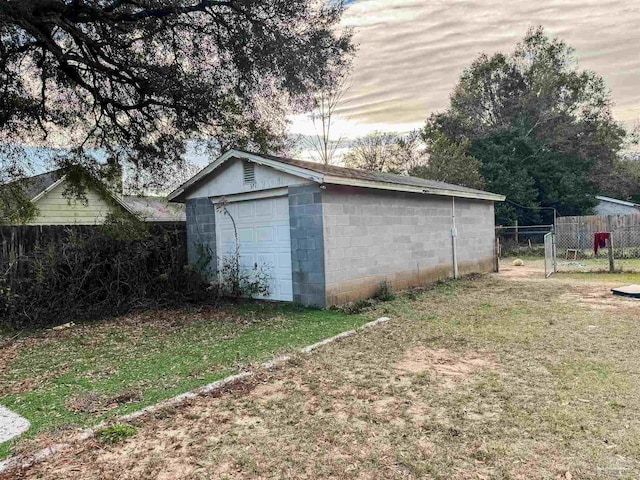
x=201 y=233
x=372 y=236
x=475 y=222
x=307 y=244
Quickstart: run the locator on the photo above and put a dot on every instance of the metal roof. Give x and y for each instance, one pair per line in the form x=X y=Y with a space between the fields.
x=615 y=200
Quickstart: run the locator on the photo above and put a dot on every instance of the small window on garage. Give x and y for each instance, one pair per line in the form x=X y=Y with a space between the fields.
x=249 y=172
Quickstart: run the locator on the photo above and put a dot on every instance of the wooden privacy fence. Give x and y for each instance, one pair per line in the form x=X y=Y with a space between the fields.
x=18 y=242
x=577 y=232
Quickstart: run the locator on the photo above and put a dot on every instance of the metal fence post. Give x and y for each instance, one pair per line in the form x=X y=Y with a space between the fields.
x=611 y=262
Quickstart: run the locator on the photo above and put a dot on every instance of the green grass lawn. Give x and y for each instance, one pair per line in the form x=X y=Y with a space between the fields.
x=494 y=377
x=88 y=373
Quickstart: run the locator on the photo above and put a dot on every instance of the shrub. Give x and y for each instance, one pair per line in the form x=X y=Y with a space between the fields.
x=384 y=293
x=231 y=280
x=90 y=273
x=236 y=282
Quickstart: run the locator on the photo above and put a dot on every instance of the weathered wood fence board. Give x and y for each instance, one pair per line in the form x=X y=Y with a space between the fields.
x=19 y=243
x=577 y=231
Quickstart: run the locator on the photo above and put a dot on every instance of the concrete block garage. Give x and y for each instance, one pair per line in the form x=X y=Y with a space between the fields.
x=327 y=235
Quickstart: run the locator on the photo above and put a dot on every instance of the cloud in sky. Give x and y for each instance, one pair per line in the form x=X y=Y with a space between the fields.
x=412 y=52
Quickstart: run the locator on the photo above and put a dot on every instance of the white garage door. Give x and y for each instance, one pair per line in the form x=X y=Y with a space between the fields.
x=265 y=241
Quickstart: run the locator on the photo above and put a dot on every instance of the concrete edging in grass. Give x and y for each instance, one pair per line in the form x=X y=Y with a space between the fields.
x=25 y=461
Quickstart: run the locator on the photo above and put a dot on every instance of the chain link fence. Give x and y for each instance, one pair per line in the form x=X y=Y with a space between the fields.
x=576 y=250
x=522 y=239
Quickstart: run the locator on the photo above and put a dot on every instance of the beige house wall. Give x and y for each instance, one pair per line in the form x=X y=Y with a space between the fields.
x=56 y=209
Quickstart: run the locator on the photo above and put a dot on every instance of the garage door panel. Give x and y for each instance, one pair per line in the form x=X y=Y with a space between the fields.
x=246 y=235
x=247 y=261
x=283 y=261
x=285 y=289
x=264 y=235
x=283 y=234
x=227 y=240
x=267 y=261
x=245 y=210
x=264 y=210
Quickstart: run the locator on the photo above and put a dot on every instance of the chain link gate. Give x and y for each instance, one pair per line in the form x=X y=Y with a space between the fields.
x=550 y=265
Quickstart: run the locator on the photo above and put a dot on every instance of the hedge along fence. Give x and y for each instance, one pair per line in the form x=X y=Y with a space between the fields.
x=54 y=274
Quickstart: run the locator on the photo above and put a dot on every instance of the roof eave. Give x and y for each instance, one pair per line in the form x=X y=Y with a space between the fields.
x=178 y=195
x=616 y=201
x=333 y=180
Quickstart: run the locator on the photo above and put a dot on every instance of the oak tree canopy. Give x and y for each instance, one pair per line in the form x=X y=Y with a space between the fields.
x=136 y=79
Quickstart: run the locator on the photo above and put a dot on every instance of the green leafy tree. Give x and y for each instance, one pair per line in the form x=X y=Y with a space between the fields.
x=137 y=79
x=531 y=175
x=449 y=161
x=546 y=118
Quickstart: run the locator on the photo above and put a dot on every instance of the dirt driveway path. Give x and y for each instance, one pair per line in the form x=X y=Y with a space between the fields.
x=496 y=377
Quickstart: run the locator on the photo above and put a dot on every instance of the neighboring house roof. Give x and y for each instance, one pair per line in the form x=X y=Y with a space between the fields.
x=156 y=209
x=37 y=184
x=331 y=174
x=616 y=201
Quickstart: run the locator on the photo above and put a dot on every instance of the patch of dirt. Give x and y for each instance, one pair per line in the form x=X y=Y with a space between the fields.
x=531 y=270
x=266 y=392
x=385 y=407
x=445 y=365
x=599 y=296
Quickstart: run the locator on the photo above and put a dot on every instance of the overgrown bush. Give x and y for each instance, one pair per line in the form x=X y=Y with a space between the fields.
x=233 y=281
x=92 y=273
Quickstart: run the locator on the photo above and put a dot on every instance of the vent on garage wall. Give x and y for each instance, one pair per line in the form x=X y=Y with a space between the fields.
x=249 y=172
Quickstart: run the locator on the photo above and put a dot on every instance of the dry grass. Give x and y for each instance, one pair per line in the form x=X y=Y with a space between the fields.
x=482 y=379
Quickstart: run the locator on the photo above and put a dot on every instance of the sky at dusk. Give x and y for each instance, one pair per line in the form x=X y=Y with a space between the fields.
x=411 y=52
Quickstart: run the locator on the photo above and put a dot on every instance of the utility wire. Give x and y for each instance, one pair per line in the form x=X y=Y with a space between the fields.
x=555 y=211
x=529 y=208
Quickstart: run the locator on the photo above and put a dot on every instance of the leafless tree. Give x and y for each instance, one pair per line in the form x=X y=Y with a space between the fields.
x=327 y=102
x=386 y=152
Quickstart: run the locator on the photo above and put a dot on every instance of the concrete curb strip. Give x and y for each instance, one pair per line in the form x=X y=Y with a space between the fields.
x=25 y=461
x=11 y=424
